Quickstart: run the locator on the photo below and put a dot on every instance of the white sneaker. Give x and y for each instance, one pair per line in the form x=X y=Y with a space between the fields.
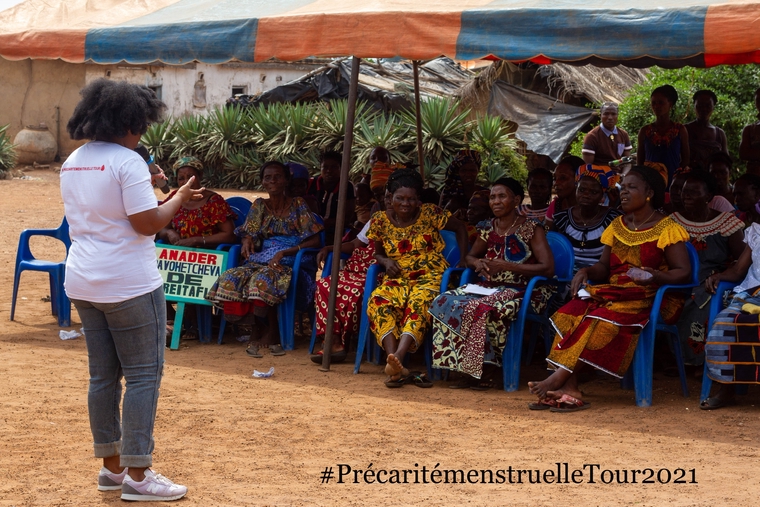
x=155 y=487
x=110 y=481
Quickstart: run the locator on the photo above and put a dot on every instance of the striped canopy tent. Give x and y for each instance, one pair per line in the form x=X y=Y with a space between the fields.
x=669 y=33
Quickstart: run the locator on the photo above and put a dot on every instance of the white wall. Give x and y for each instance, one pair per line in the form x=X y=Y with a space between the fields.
x=178 y=82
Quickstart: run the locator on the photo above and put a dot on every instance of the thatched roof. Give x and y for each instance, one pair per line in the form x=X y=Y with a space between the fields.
x=599 y=84
x=559 y=80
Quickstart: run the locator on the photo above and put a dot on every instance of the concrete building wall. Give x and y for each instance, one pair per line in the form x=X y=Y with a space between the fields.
x=31 y=92
x=197 y=87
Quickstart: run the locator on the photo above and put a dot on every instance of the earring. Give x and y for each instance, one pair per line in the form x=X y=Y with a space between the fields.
x=648 y=199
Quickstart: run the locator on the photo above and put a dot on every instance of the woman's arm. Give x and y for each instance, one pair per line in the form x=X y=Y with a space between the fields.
x=685 y=155
x=149 y=222
x=641 y=154
x=225 y=235
x=599 y=272
x=392 y=268
x=735 y=273
x=459 y=227
x=746 y=150
x=345 y=248
x=310 y=242
x=544 y=265
x=679 y=267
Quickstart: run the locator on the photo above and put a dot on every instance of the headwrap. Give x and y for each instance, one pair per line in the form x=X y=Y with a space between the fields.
x=660 y=168
x=481 y=197
x=380 y=174
x=600 y=173
x=298 y=171
x=452 y=186
x=188 y=162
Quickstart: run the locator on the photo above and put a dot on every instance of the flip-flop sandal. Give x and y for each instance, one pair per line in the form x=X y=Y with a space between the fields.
x=464 y=383
x=716 y=403
x=276 y=350
x=569 y=403
x=399 y=382
x=253 y=351
x=484 y=385
x=544 y=404
x=421 y=381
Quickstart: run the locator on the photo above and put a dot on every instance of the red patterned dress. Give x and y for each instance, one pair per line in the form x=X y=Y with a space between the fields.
x=203 y=221
x=348 y=303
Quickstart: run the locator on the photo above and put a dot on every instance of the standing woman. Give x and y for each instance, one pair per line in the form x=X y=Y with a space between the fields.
x=705 y=139
x=113 y=281
x=664 y=141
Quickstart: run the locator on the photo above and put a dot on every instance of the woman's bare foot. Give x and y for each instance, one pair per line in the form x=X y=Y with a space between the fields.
x=557 y=394
x=393 y=367
x=554 y=382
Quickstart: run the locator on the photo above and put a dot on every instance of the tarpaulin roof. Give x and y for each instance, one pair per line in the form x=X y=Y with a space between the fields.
x=643 y=33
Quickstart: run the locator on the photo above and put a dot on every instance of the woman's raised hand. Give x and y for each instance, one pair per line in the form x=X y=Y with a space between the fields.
x=187 y=193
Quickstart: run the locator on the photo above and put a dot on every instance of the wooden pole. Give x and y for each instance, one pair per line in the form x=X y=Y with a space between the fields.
x=420 y=153
x=348 y=141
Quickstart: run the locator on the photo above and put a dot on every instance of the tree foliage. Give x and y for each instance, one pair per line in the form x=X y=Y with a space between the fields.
x=734 y=86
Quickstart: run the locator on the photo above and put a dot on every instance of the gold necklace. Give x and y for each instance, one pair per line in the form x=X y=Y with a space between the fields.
x=645 y=221
x=517 y=217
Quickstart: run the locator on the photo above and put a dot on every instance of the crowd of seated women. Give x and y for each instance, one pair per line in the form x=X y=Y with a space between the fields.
x=628 y=224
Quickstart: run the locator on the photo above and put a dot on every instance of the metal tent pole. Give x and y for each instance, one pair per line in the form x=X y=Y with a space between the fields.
x=348 y=141
x=420 y=153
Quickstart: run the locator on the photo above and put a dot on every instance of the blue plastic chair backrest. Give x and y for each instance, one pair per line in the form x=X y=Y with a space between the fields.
x=451 y=250
x=241 y=206
x=694 y=261
x=564 y=255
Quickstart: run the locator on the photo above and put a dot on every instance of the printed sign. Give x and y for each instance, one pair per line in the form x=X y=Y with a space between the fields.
x=189 y=273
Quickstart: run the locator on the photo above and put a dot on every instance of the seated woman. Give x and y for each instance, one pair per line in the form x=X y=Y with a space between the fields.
x=717 y=238
x=469 y=329
x=540 y=192
x=273 y=233
x=584 y=223
x=409 y=246
x=478 y=210
x=733 y=339
x=200 y=224
x=746 y=196
x=643 y=250
x=564 y=187
x=461 y=183
x=351 y=281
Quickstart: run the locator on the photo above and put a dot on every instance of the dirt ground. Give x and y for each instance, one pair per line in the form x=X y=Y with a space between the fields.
x=235 y=440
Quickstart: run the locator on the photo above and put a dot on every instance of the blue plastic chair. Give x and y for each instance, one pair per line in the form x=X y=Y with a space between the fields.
x=643 y=357
x=451 y=253
x=25 y=261
x=716 y=305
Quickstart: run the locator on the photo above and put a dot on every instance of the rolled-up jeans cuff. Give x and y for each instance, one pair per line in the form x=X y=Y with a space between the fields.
x=107 y=450
x=136 y=461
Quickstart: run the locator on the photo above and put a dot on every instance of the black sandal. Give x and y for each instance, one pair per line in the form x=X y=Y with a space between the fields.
x=253 y=350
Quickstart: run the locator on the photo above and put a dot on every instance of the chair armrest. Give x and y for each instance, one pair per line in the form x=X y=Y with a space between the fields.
x=716 y=303
x=447 y=277
x=528 y=294
x=468 y=276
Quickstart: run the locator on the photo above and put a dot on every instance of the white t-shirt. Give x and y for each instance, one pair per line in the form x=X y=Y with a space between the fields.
x=752 y=239
x=362 y=236
x=109 y=262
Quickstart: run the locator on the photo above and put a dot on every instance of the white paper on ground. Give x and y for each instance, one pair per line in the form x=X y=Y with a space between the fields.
x=69 y=335
x=263 y=374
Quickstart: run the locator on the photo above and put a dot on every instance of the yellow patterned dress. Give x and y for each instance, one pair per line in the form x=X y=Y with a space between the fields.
x=603 y=330
x=400 y=305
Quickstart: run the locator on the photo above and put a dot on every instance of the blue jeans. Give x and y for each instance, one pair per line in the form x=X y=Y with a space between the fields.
x=125 y=339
